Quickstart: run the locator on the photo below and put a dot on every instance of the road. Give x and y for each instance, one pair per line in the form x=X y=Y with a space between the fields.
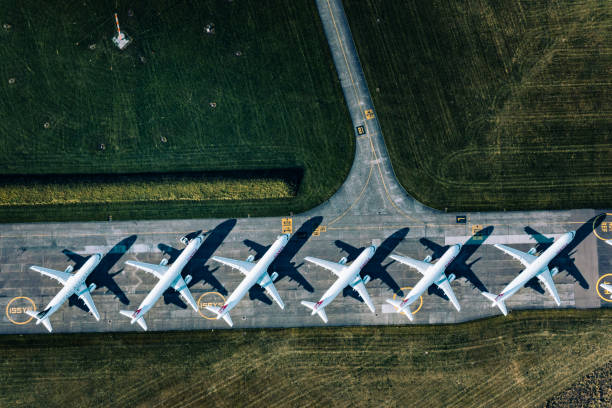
x=370 y=207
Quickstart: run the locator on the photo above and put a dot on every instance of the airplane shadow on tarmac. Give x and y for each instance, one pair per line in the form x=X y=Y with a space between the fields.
x=283 y=264
x=374 y=268
x=460 y=267
x=197 y=268
x=564 y=261
x=101 y=276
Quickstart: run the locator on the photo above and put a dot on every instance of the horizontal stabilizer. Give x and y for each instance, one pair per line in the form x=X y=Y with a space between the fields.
x=45 y=321
x=130 y=314
x=498 y=303
x=320 y=312
x=226 y=316
x=405 y=309
x=142 y=323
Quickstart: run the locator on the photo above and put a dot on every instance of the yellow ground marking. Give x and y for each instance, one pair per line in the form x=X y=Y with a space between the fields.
x=356 y=200
x=605 y=226
x=202 y=304
x=407 y=288
x=476 y=228
x=319 y=230
x=369 y=114
x=19 y=310
x=599 y=289
x=287 y=225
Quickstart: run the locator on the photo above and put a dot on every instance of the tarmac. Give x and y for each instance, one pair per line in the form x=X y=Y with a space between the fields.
x=370 y=207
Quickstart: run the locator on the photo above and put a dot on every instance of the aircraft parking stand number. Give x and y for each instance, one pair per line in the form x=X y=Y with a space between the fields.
x=319 y=230
x=369 y=114
x=461 y=219
x=601 y=292
x=360 y=130
x=603 y=231
x=16 y=310
x=209 y=299
x=476 y=228
x=287 y=225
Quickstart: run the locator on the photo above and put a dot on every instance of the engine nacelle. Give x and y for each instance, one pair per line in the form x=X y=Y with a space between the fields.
x=532 y=251
x=554 y=271
x=184 y=240
x=343 y=260
x=163 y=262
x=69 y=269
x=366 y=279
x=427 y=259
x=92 y=287
x=188 y=279
x=250 y=258
x=451 y=277
x=274 y=276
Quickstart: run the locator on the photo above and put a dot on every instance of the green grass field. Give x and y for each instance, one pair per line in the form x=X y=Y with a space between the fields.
x=518 y=361
x=65 y=89
x=492 y=105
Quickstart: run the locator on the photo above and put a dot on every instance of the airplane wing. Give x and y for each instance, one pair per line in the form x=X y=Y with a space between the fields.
x=61 y=277
x=156 y=270
x=546 y=278
x=83 y=293
x=181 y=287
x=266 y=282
x=413 y=263
x=444 y=284
x=243 y=266
x=524 y=257
x=335 y=267
x=361 y=289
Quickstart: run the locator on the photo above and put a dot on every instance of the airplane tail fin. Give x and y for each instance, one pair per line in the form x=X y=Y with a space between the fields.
x=499 y=303
x=141 y=321
x=405 y=309
x=226 y=316
x=320 y=312
x=45 y=320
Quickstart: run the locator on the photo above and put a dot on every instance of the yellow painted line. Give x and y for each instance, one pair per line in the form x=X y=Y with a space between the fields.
x=356 y=201
x=420 y=298
x=8 y=315
x=597 y=287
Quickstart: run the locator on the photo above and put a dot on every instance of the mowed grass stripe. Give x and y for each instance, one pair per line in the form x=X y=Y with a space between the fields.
x=71 y=189
x=521 y=360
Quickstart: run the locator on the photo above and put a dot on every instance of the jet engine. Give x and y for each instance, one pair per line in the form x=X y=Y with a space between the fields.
x=92 y=287
x=188 y=279
x=366 y=279
x=343 y=260
x=163 y=262
x=554 y=271
x=451 y=277
x=184 y=240
x=532 y=251
x=274 y=276
x=250 y=258
x=69 y=269
x=427 y=259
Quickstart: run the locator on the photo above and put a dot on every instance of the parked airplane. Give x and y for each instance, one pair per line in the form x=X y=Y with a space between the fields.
x=169 y=276
x=347 y=275
x=606 y=287
x=73 y=284
x=432 y=273
x=255 y=273
x=534 y=266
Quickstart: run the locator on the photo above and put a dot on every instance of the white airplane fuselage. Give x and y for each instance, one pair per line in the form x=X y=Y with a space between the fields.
x=347 y=277
x=434 y=273
x=72 y=285
x=255 y=274
x=538 y=266
x=173 y=272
